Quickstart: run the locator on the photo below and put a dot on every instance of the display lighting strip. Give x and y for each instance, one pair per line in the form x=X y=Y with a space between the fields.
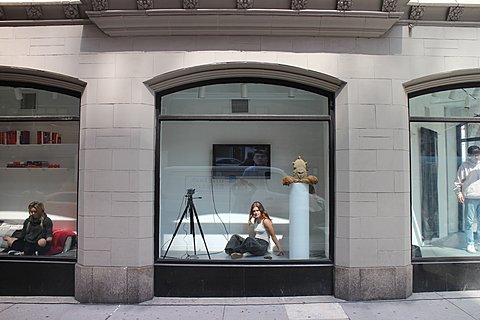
x=445 y=3
x=37 y=2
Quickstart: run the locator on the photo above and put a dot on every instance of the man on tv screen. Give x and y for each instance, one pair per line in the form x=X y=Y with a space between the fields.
x=261 y=165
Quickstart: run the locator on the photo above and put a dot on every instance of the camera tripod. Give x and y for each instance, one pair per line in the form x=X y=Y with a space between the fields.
x=190 y=208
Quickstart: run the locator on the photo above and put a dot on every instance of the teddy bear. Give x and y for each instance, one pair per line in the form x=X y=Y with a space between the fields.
x=300 y=174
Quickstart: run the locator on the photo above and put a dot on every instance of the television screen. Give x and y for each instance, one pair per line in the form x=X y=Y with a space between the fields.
x=241 y=160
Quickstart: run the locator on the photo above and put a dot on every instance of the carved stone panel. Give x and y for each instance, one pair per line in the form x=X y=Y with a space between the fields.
x=71 y=11
x=34 y=12
x=244 y=4
x=299 y=4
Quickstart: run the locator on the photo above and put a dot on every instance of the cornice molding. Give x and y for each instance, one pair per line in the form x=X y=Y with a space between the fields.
x=161 y=22
x=443 y=79
x=244 y=70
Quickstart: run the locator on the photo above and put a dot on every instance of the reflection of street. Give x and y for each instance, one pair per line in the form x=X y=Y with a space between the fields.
x=231 y=198
x=59 y=222
x=61 y=207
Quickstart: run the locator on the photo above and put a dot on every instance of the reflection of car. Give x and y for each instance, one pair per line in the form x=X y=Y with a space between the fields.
x=62 y=209
x=227 y=162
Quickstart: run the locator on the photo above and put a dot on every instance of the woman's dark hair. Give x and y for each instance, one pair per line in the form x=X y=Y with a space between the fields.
x=259 y=205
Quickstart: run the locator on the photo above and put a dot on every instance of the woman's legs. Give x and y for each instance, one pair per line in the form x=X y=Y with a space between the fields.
x=256 y=247
x=251 y=245
x=10 y=240
x=234 y=242
x=29 y=248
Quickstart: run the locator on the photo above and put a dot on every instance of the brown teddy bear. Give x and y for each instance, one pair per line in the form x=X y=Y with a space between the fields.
x=300 y=174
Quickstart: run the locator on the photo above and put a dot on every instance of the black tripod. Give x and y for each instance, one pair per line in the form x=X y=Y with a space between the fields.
x=190 y=208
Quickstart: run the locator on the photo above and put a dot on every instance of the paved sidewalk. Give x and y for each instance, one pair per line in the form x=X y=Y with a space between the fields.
x=436 y=305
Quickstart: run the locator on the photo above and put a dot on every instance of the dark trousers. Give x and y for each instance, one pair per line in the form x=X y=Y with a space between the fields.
x=257 y=247
x=28 y=248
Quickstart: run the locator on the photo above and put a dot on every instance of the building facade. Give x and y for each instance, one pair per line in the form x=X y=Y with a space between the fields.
x=136 y=124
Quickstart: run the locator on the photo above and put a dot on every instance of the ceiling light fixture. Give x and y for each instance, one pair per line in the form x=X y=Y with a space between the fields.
x=292 y=92
x=244 y=91
x=201 y=92
x=18 y=94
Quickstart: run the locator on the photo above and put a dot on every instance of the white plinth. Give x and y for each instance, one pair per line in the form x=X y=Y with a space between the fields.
x=299 y=236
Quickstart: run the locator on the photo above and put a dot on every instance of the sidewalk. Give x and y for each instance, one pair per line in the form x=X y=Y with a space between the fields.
x=435 y=305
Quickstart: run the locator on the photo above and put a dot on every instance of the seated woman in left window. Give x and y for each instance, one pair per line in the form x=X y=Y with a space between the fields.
x=35 y=238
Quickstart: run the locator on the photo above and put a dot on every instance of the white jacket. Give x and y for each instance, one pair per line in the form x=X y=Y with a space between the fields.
x=467 y=181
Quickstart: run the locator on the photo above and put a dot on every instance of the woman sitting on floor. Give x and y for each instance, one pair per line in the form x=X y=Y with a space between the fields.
x=258 y=244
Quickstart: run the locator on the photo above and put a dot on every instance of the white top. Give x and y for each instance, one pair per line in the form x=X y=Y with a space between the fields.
x=468 y=179
x=261 y=232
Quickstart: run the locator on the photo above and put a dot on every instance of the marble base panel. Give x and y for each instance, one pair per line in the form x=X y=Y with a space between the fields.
x=113 y=284
x=375 y=283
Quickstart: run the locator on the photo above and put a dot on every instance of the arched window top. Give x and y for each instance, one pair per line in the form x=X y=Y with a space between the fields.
x=230 y=70
x=444 y=79
x=34 y=93
x=43 y=78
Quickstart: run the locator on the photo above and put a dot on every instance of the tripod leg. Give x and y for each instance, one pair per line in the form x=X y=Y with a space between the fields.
x=176 y=230
x=201 y=231
x=192 y=227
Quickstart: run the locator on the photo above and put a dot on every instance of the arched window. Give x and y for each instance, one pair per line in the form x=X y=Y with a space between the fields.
x=209 y=136
x=444 y=132
x=39 y=135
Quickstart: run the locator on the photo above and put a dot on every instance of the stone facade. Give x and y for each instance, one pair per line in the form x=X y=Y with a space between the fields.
x=116 y=171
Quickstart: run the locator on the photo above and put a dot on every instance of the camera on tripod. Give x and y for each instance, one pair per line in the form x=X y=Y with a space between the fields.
x=191 y=211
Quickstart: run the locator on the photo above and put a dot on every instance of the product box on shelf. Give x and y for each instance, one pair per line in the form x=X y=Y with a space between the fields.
x=48 y=137
x=15 y=137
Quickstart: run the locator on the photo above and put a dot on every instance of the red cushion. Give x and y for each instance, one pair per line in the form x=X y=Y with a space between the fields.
x=58 y=241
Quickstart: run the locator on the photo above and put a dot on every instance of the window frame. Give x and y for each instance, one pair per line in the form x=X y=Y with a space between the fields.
x=67 y=86
x=329 y=119
x=419 y=119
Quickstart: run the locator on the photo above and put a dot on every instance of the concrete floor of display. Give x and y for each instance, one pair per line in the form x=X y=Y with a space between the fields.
x=453 y=245
x=221 y=255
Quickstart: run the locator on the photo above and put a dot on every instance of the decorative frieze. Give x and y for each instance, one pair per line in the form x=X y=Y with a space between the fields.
x=299 y=4
x=454 y=13
x=244 y=4
x=416 y=12
x=34 y=12
x=71 y=11
x=144 y=4
x=389 y=5
x=344 y=5
x=190 y=4
x=100 y=5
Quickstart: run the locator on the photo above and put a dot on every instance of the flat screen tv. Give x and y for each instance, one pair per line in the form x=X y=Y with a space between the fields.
x=241 y=160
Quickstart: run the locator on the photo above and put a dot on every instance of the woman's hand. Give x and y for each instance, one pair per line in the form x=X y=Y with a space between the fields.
x=280 y=253
x=42 y=242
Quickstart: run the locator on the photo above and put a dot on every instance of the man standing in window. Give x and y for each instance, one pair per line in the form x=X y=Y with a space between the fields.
x=467 y=188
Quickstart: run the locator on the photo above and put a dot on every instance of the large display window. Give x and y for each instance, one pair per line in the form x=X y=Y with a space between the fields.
x=224 y=146
x=445 y=173
x=39 y=134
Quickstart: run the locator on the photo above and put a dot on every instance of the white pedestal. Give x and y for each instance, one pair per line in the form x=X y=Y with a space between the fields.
x=299 y=236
